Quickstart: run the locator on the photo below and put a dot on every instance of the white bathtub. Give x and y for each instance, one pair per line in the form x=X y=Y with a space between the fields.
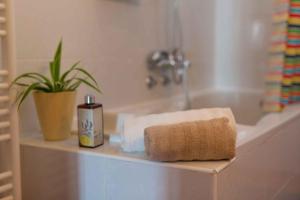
x=266 y=166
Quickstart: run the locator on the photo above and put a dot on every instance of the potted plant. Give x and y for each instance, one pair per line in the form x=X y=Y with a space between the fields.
x=54 y=97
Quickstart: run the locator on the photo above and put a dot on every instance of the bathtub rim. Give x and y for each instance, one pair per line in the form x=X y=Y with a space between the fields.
x=256 y=135
x=267 y=127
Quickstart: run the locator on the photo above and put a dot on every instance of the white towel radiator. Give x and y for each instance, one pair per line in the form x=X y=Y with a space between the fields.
x=9 y=138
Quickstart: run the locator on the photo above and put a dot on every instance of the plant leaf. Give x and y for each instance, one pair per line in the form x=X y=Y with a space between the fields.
x=41 y=88
x=19 y=95
x=52 y=73
x=47 y=81
x=35 y=76
x=74 y=86
x=62 y=79
x=89 y=84
x=59 y=86
x=21 y=84
x=26 y=92
x=87 y=74
x=69 y=81
x=23 y=76
x=55 y=63
x=38 y=88
x=80 y=80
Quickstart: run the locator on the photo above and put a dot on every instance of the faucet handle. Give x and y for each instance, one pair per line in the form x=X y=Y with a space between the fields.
x=187 y=64
x=157 y=58
x=150 y=82
x=178 y=55
x=164 y=80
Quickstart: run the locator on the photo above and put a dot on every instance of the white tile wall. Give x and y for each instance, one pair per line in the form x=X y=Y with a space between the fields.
x=242 y=36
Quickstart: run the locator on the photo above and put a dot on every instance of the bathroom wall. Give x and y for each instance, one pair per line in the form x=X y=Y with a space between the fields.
x=112 y=39
x=242 y=35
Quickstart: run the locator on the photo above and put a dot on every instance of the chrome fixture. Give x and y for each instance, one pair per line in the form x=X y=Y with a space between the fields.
x=171 y=66
x=166 y=67
x=150 y=81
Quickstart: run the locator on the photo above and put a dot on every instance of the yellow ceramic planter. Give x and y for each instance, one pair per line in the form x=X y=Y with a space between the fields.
x=55 y=112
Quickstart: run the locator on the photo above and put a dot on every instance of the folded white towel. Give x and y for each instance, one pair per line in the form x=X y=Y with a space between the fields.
x=132 y=132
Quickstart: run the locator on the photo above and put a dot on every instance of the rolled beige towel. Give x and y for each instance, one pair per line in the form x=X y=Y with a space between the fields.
x=198 y=140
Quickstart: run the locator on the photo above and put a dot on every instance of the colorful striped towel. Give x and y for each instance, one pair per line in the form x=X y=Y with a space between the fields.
x=283 y=73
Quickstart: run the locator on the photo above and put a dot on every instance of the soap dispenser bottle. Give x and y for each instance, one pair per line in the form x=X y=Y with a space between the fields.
x=90 y=123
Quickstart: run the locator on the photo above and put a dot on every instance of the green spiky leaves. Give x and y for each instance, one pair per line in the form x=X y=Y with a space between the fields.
x=70 y=80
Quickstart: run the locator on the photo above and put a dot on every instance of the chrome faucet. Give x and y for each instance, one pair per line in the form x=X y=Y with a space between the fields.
x=166 y=67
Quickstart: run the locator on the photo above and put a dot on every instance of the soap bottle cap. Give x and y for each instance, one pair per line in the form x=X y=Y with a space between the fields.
x=89 y=99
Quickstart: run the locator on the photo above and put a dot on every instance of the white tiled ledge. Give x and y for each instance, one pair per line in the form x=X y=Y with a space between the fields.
x=113 y=151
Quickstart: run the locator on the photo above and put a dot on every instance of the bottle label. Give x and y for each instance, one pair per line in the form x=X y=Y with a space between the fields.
x=90 y=131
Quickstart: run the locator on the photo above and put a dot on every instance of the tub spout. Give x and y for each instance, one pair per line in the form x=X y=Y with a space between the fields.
x=169 y=67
